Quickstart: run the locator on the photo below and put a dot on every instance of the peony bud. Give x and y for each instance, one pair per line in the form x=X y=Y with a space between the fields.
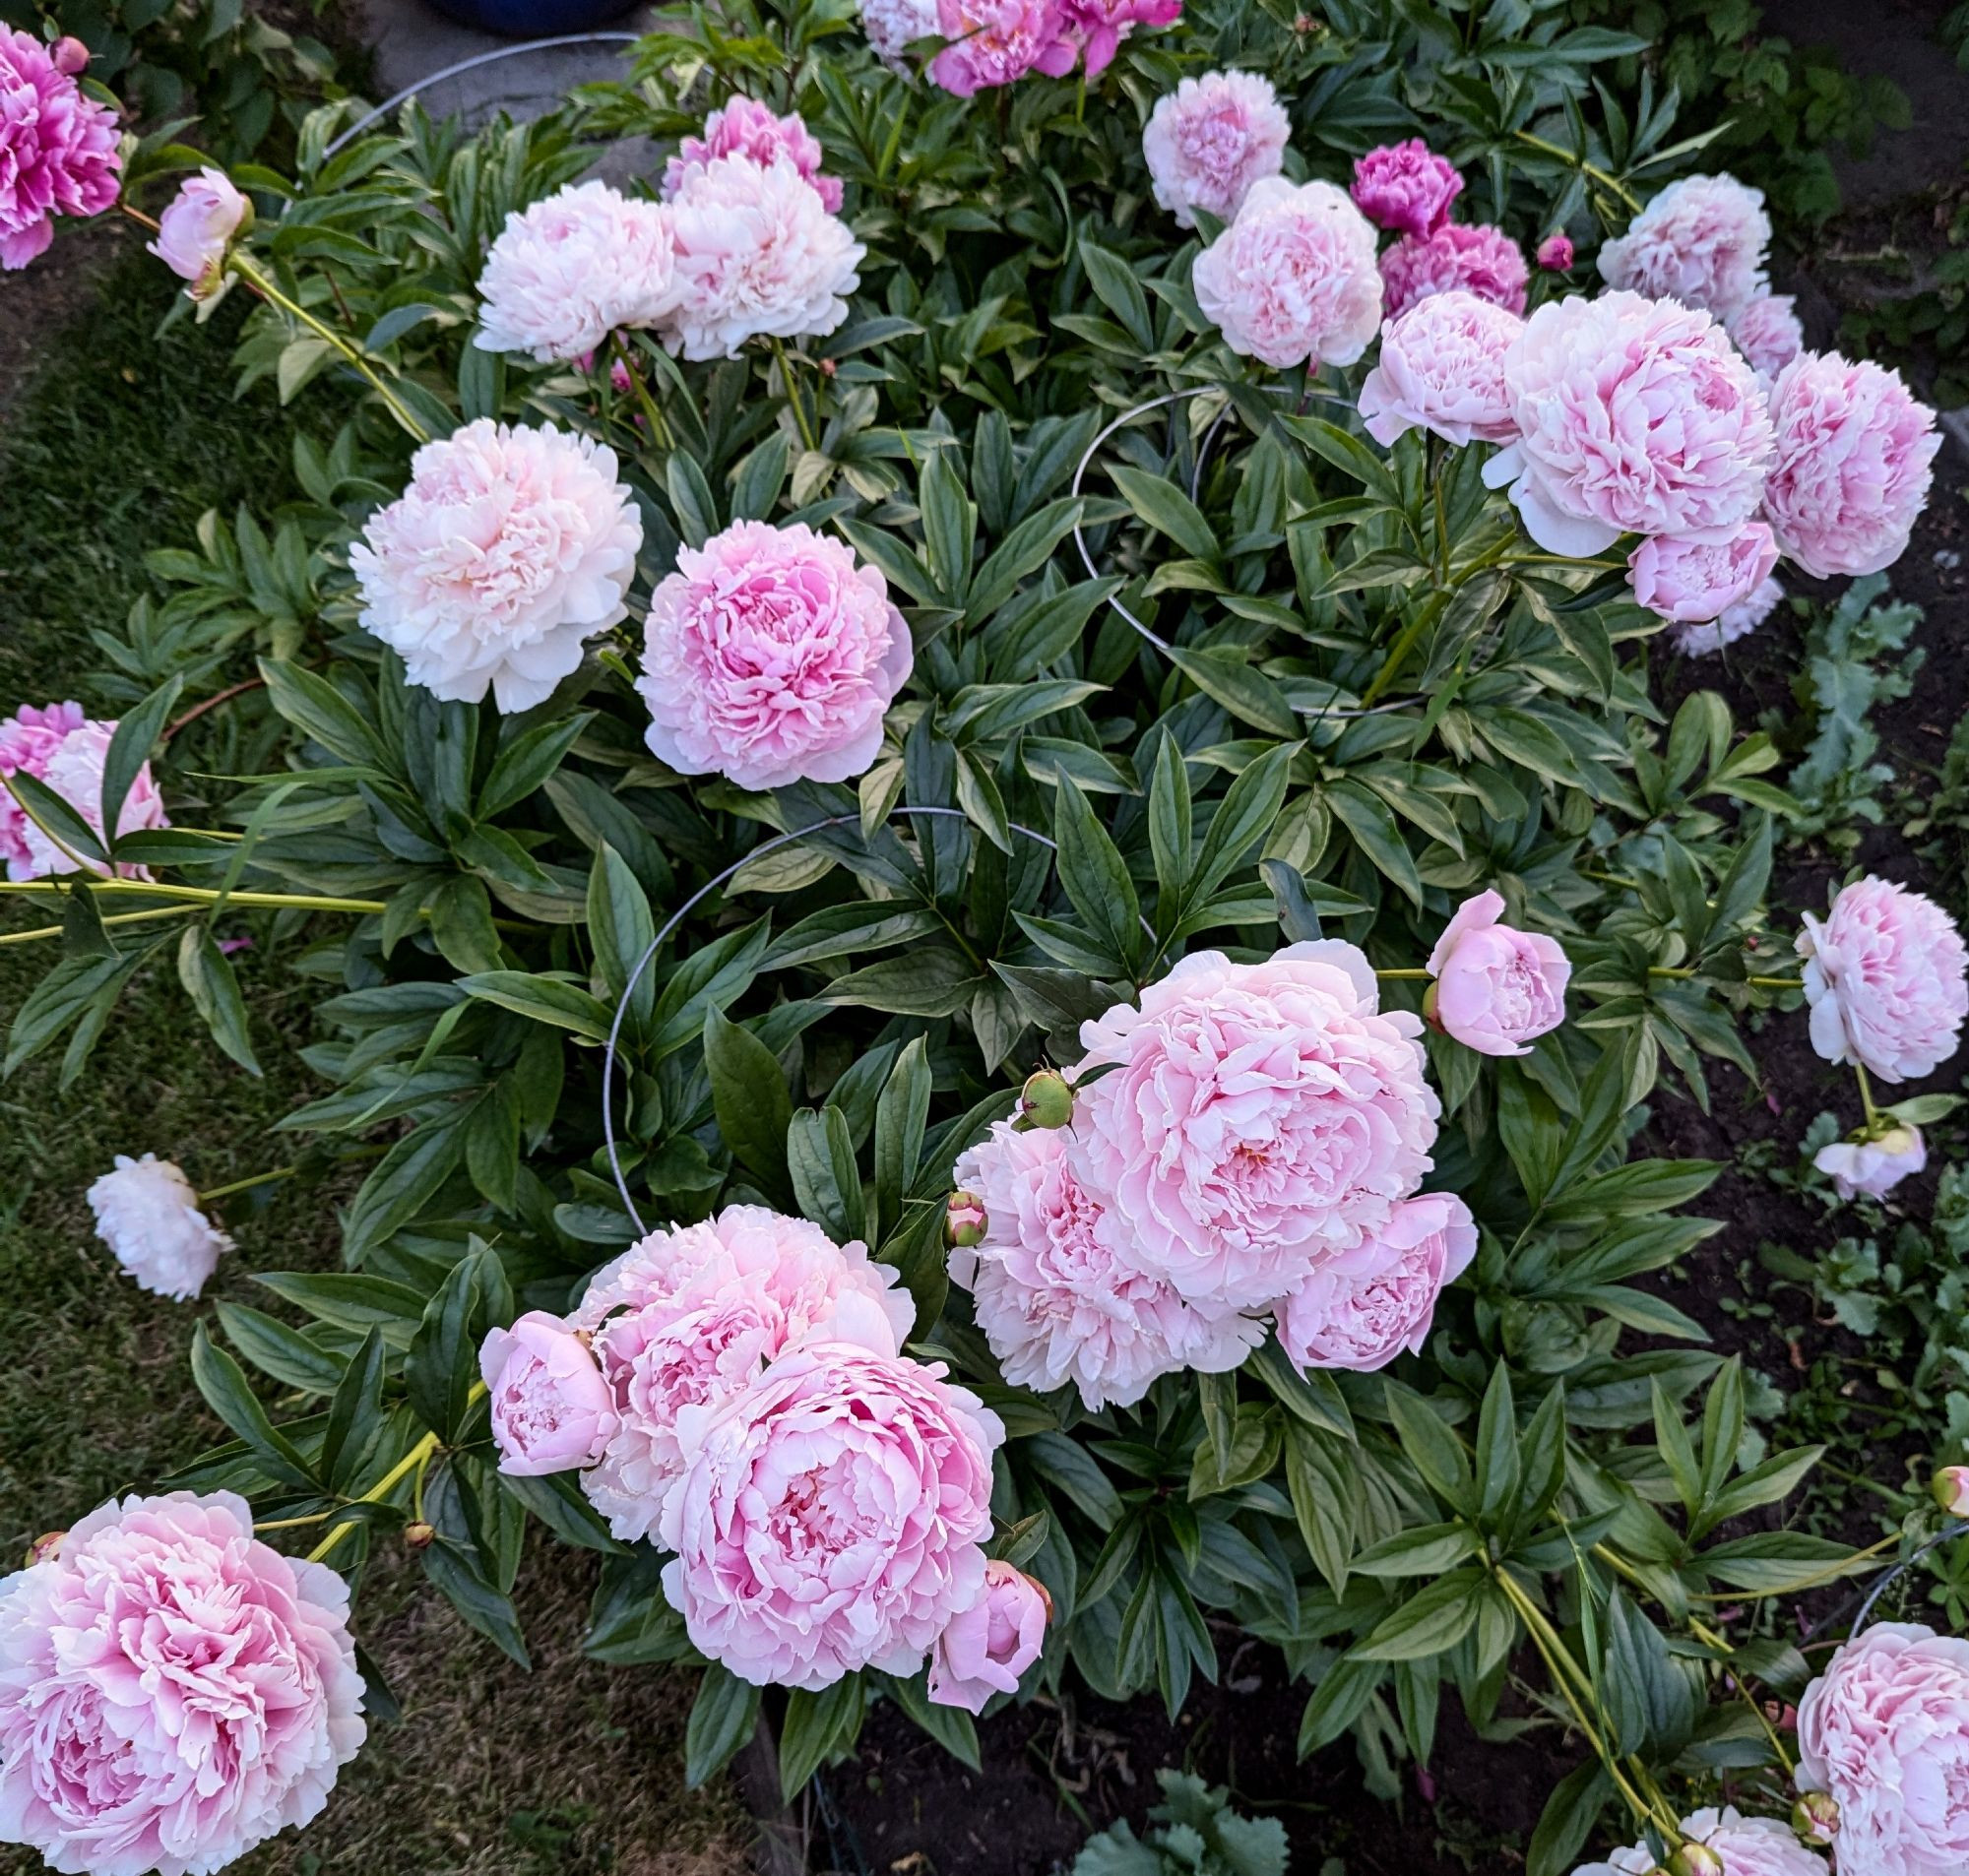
x=70 y=56
x=420 y=1536
x=1046 y=1100
x=964 y=1220
x=1695 y=1859
x=1554 y=252
x=1952 y=1493
x=44 y=1547
x=1815 y=1817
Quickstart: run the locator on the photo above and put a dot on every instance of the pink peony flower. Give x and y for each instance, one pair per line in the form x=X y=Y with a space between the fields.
x=1885 y=1731
x=1554 y=252
x=751 y=130
x=58 y=152
x=552 y=1410
x=757 y=256
x=1102 y=25
x=1258 y=1119
x=197 y=227
x=509 y=551
x=986 y=1647
x=1691 y=582
x=1496 y=988
x=1057 y=1287
x=1885 y=976
x=1365 y=1307
x=1211 y=140
x=1766 y=332
x=1743 y=1845
x=1854 y=457
x=1480 y=260
x=147 y=1212
x=1872 y=1166
x=1734 y=623
x=1950 y=1490
x=1636 y=416
x=62 y=748
x=770 y=656
x=1442 y=369
x=893 y=26
x=1404 y=187
x=998 y=42
x=567 y=271
x=692 y=1314
x=1292 y=280
x=1701 y=241
x=172 y=1692
x=829 y=1515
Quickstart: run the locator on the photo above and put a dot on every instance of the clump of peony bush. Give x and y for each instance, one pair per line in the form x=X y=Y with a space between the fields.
x=973 y=786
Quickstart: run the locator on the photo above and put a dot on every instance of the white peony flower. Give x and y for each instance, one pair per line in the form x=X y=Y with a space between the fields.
x=892 y=25
x=147 y=1212
x=510 y=548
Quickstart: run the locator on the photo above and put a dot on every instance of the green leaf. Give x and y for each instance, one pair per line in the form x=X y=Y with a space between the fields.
x=748 y=1092
x=557 y=1502
x=1568 y=1820
x=222 y=1383
x=1093 y=874
x=1320 y=1479
x=1113 y=282
x=1169 y=835
x=820 y=1157
x=489 y=1611
x=54 y=815
x=949 y=522
x=355 y=1415
x=1434 y=1451
x=522 y=765
x=1242 y=688
x=320 y=711
x=283 y=1353
x=130 y=748
x=545 y=999
x=1430 y=1622
x=817 y=1725
x=1167 y=509
x=443 y=1360
x=208 y=977
x=901 y=1115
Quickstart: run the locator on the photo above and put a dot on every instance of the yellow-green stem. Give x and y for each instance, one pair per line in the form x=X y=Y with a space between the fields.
x=418 y=1454
x=1600 y=176
x=1705 y=1633
x=1867 y=1096
x=1403 y=975
x=791 y=385
x=193 y=895
x=115 y=919
x=246 y=1185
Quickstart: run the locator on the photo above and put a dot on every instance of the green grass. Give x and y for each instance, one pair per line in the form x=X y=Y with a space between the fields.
x=122 y=443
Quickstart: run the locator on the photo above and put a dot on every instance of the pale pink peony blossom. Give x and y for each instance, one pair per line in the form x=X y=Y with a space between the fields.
x=568 y=271
x=1258 y=1120
x=1855 y=455
x=1102 y=25
x=692 y=1314
x=172 y=1691
x=1453 y=258
x=1635 y=416
x=1361 y=1309
x=986 y=1648
x=147 y=1212
x=1885 y=1731
x=1766 y=332
x=894 y=25
x=1293 y=279
x=552 y=1410
x=509 y=551
x=197 y=227
x=28 y=740
x=757 y=256
x=1735 y=622
x=1404 y=187
x=1055 y=1286
x=68 y=752
x=1442 y=369
x=1693 y=582
x=1701 y=241
x=1497 y=988
x=999 y=41
x=1210 y=141
x=1554 y=252
x=58 y=149
x=746 y=128
x=1873 y=1167
x=829 y=1515
x=1743 y=1845
x=1885 y=974
x=771 y=656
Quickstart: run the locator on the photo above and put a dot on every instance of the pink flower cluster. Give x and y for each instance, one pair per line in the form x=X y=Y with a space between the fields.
x=994 y=43
x=1213 y=139
x=58 y=152
x=1406 y=188
x=66 y=751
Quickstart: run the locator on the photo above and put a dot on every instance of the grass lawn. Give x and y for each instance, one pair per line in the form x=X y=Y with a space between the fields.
x=117 y=445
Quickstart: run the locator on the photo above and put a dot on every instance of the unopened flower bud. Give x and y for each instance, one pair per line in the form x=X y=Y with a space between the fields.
x=44 y=1547
x=420 y=1536
x=70 y=56
x=1046 y=1100
x=964 y=1220
x=1695 y=1859
x=1815 y=1817
x=1951 y=1492
x=1554 y=253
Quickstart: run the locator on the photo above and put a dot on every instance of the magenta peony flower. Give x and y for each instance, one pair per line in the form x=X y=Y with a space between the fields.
x=1258 y=1119
x=147 y=1212
x=1701 y=241
x=172 y=1692
x=986 y=1647
x=998 y=42
x=509 y=551
x=1404 y=187
x=1885 y=1731
x=567 y=271
x=770 y=656
x=1766 y=332
x=1872 y=1166
x=1691 y=582
x=1365 y=1307
x=746 y=128
x=1292 y=281
x=1211 y=140
x=1057 y=1289
x=1743 y=1846
x=197 y=227
x=1554 y=252
x=1854 y=457
x=1635 y=416
x=1735 y=622
x=829 y=1515
x=1885 y=976
x=1496 y=988
x=65 y=750
x=552 y=1410
x=1480 y=260
x=1102 y=25
x=58 y=152
x=692 y=1314
x=757 y=256
x=1442 y=369
x=894 y=25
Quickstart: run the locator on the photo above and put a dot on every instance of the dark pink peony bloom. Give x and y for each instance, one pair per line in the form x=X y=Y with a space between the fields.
x=1406 y=188
x=1104 y=24
x=58 y=151
x=1482 y=260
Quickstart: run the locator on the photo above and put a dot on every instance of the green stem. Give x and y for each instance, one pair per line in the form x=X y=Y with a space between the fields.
x=195 y=895
x=792 y=386
x=246 y=1185
x=1682 y=973
x=1867 y=1097
x=1708 y=1636
x=1423 y=620
x=659 y=431
x=1417 y=973
x=115 y=919
x=1600 y=176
